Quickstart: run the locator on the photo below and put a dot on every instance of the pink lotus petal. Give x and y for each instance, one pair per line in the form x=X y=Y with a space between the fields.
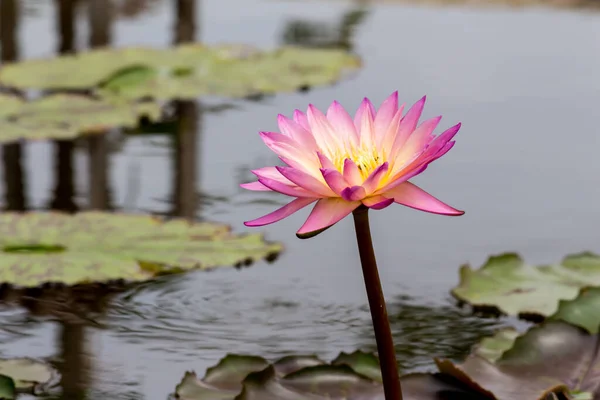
x=271 y=173
x=306 y=181
x=352 y=173
x=353 y=193
x=408 y=125
x=342 y=123
x=325 y=213
x=281 y=213
x=377 y=202
x=413 y=196
x=388 y=138
x=334 y=179
x=292 y=129
x=402 y=177
x=322 y=130
x=288 y=149
x=293 y=191
x=419 y=138
x=384 y=116
x=255 y=186
x=373 y=180
x=358 y=117
x=301 y=119
x=365 y=125
x=325 y=161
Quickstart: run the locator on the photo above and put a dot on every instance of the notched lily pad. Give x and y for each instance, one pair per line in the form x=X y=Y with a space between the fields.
x=560 y=355
x=66 y=116
x=42 y=247
x=25 y=375
x=506 y=283
x=183 y=72
x=309 y=378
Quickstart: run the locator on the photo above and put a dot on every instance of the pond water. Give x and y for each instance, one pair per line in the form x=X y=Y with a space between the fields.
x=524 y=82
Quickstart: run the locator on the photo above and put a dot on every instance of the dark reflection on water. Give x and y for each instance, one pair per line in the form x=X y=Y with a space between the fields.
x=139 y=343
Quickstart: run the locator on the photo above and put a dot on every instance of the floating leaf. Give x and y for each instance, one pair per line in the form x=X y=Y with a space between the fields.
x=557 y=355
x=25 y=375
x=100 y=247
x=183 y=72
x=508 y=284
x=65 y=116
x=7 y=388
x=308 y=378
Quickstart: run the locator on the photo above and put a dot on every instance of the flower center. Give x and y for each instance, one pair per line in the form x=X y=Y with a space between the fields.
x=367 y=160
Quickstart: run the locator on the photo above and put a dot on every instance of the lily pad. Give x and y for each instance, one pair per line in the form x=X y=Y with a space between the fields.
x=557 y=358
x=43 y=247
x=66 y=116
x=309 y=378
x=507 y=284
x=560 y=355
x=25 y=375
x=7 y=388
x=183 y=72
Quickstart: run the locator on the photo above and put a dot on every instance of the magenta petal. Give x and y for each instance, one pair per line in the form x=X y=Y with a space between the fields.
x=334 y=179
x=358 y=117
x=377 y=202
x=255 y=186
x=325 y=161
x=384 y=115
x=342 y=122
x=408 y=124
x=281 y=213
x=322 y=130
x=301 y=119
x=294 y=130
x=352 y=173
x=271 y=173
x=353 y=193
x=325 y=213
x=306 y=181
x=411 y=195
x=293 y=191
x=372 y=180
x=288 y=148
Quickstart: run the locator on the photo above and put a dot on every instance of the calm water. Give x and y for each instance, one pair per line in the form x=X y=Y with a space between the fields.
x=525 y=84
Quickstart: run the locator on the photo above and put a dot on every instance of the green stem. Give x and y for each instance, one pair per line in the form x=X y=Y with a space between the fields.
x=381 y=324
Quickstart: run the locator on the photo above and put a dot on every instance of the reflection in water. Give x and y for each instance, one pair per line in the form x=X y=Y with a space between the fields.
x=100 y=21
x=318 y=34
x=63 y=195
x=422 y=332
x=188 y=115
x=11 y=153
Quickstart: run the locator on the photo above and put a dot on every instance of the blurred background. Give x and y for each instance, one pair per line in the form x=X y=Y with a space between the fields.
x=522 y=76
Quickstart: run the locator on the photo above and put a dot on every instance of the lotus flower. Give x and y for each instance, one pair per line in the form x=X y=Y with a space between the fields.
x=342 y=163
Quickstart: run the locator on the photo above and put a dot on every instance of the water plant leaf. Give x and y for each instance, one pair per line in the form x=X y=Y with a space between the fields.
x=7 y=388
x=309 y=378
x=42 y=247
x=562 y=354
x=509 y=285
x=66 y=116
x=25 y=375
x=184 y=72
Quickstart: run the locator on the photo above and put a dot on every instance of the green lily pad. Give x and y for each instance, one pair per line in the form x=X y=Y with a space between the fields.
x=88 y=247
x=66 y=116
x=7 y=388
x=183 y=72
x=25 y=375
x=560 y=355
x=506 y=283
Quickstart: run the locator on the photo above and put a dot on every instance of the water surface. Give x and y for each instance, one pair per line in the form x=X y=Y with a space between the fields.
x=523 y=82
